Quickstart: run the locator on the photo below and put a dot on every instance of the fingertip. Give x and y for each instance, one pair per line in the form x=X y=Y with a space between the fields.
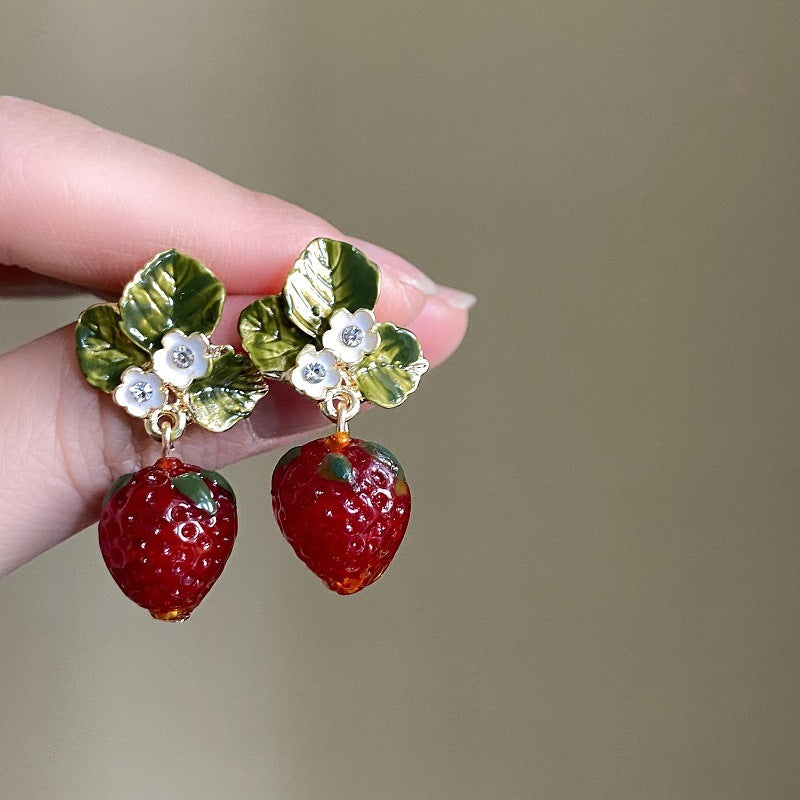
x=456 y=298
x=400 y=301
x=405 y=289
x=440 y=327
x=387 y=259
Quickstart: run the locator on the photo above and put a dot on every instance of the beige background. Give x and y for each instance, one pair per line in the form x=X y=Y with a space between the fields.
x=598 y=596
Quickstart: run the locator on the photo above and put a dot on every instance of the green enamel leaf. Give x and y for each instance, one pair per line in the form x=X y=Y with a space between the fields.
x=386 y=377
x=269 y=336
x=336 y=467
x=118 y=484
x=104 y=352
x=171 y=291
x=196 y=490
x=220 y=480
x=329 y=275
x=227 y=394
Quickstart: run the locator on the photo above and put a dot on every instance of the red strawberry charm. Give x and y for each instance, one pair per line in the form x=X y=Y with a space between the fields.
x=166 y=532
x=343 y=504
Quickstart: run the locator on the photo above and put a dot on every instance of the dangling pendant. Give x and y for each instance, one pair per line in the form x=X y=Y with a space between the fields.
x=342 y=503
x=167 y=530
x=165 y=533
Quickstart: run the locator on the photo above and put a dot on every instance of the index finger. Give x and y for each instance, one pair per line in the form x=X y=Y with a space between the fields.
x=88 y=206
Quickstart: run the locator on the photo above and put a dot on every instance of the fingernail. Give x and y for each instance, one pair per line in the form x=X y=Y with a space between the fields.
x=456 y=298
x=418 y=281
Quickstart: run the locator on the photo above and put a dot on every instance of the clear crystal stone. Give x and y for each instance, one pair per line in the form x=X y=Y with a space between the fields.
x=182 y=357
x=352 y=336
x=141 y=391
x=314 y=373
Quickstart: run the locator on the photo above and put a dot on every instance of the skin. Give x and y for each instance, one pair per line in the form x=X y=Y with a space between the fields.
x=81 y=209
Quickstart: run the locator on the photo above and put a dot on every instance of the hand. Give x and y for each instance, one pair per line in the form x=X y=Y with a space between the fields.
x=81 y=209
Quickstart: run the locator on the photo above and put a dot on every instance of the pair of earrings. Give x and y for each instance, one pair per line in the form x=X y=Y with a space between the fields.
x=343 y=504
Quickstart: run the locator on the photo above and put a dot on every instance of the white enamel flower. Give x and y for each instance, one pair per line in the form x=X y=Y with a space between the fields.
x=351 y=336
x=182 y=358
x=315 y=372
x=140 y=392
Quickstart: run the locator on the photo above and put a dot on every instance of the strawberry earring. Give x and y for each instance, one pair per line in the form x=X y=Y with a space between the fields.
x=167 y=530
x=342 y=503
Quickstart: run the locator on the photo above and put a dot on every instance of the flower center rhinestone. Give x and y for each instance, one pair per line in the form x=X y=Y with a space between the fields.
x=141 y=391
x=314 y=373
x=352 y=336
x=182 y=357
